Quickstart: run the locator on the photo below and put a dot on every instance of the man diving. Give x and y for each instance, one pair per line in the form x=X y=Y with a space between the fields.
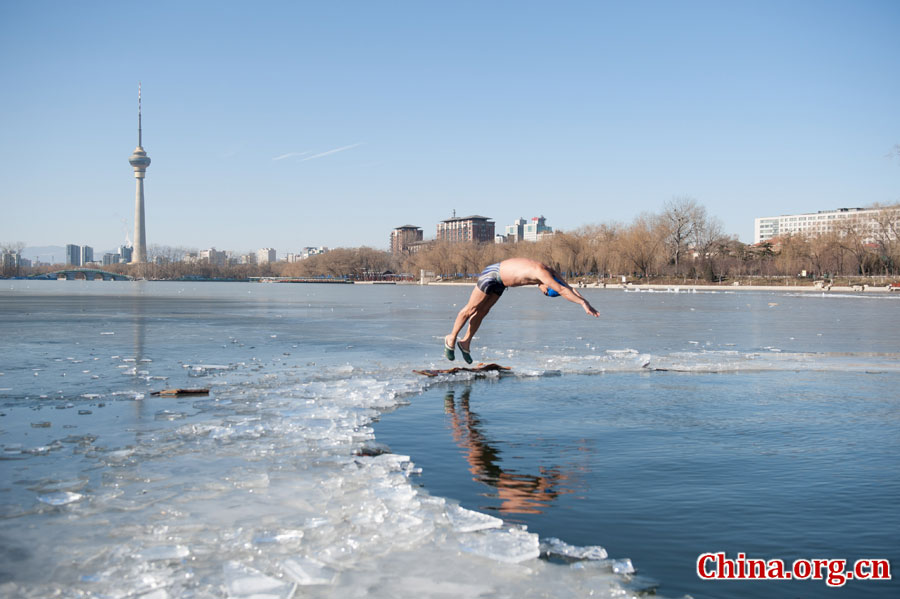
x=493 y=281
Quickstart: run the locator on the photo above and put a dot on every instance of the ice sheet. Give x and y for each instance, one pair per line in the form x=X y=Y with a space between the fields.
x=281 y=477
x=295 y=499
x=276 y=480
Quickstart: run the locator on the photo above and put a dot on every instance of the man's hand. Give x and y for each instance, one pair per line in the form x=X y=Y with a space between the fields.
x=590 y=310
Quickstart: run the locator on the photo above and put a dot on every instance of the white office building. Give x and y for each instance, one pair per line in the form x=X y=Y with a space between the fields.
x=817 y=223
x=524 y=230
x=537 y=229
x=265 y=256
x=213 y=257
x=516 y=231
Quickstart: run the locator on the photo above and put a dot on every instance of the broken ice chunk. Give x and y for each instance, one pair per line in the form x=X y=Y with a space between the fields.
x=284 y=536
x=553 y=546
x=258 y=481
x=204 y=369
x=75 y=484
x=308 y=571
x=164 y=552
x=60 y=498
x=463 y=520
x=243 y=581
x=510 y=546
x=622 y=566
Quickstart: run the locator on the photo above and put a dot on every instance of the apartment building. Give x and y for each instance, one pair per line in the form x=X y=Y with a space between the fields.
x=403 y=237
x=818 y=223
x=265 y=256
x=466 y=229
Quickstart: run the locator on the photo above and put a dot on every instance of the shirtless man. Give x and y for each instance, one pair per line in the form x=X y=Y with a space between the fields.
x=491 y=284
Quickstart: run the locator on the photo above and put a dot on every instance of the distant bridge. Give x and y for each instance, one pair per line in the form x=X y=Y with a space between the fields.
x=87 y=274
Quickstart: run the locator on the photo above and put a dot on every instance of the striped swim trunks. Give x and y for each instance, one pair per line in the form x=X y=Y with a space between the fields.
x=489 y=280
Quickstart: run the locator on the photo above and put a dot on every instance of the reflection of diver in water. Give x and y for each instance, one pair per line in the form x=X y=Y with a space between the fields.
x=518 y=493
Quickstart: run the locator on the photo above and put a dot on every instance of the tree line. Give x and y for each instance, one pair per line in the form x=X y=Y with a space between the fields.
x=683 y=243
x=680 y=243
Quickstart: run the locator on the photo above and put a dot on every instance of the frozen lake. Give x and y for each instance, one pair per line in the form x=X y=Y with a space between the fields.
x=275 y=485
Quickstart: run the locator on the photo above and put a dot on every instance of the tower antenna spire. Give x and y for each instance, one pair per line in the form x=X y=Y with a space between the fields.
x=139 y=114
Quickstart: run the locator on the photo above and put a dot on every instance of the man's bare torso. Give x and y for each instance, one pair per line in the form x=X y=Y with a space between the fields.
x=516 y=272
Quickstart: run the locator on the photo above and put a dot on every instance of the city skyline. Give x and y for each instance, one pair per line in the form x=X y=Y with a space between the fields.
x=330 y=126
x=527 y=230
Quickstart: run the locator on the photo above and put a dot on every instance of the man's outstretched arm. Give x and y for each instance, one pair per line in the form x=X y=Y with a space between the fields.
x=569 y=293
x=575 y=297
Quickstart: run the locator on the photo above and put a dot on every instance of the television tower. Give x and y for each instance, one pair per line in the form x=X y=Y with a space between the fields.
x=139 y=161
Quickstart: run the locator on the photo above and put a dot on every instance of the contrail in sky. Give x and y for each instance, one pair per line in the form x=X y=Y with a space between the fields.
x=334 y=151
x=290 y=155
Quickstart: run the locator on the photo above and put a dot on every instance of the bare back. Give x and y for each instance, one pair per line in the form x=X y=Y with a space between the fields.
x=515 y=272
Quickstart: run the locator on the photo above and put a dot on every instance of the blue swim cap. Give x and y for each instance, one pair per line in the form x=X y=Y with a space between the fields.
x=550 y=291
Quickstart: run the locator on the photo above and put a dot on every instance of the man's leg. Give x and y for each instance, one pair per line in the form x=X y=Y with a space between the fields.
x=479 y=302
x=481 y=310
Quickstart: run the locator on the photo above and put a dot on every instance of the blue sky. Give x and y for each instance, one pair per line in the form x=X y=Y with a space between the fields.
x=292 y=124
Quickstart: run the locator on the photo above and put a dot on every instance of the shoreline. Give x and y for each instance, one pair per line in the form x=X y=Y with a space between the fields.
x=675 y=288
x=672 y=288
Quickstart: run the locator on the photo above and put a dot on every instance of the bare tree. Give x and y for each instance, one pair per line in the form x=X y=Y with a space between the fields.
x=825 y=253
x=564 y=249
x=10 y=258
x=681 y=219
x=604 y=248
x=708 y=240
x=13 y=247
x=793 y=255
x=852 y=235
x=166 y=253
x=885 y=232
x=641 y=243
